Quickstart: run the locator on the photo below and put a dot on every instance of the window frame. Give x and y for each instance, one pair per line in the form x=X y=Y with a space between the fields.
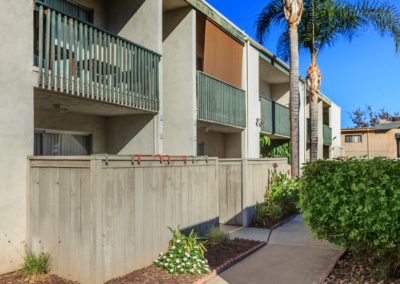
x=352 y=136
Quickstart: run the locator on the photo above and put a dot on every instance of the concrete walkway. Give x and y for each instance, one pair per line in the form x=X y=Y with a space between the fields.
x=290 y=256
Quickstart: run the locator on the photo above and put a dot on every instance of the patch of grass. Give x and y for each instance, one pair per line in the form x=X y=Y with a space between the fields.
x=217 y=237
x=36 y=263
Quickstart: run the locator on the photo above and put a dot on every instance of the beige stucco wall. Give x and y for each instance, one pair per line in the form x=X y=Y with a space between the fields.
x=381 y=144
x=130 y=134
x=95 y=125
x=233 y=142
x=214 y=143
x=281 y=93
x=179 y=79
x=16 y=125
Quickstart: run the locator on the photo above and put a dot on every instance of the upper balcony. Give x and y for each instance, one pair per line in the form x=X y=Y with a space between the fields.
x=220 y=102
x=75 y=57
x=275 y=118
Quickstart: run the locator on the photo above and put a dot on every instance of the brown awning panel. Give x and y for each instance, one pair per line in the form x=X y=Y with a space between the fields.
x=223 y=56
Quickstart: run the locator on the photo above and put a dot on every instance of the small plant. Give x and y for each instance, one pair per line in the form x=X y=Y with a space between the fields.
x=185 y=255
x=280 y=200
x=36 y=264
x=217 y=237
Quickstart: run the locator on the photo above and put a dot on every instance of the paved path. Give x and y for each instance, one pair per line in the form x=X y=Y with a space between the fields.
x=291 y=256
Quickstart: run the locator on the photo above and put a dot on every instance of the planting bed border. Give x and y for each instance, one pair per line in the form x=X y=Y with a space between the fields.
x=229 y=263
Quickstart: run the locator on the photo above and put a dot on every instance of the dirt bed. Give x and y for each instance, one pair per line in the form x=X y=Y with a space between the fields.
x=18 y=278
x=355 y=271
x=216 y=257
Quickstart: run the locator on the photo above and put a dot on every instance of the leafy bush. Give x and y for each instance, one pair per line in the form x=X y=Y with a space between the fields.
x=274 y=148
x=280 y=200
x=217 y=237
x=36 y=263
x=185 y=255
x=355 y=204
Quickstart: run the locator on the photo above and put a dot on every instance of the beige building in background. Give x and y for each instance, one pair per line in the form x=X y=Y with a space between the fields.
x=383 y=140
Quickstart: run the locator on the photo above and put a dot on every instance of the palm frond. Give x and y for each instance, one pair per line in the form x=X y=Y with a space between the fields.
x=272 y=14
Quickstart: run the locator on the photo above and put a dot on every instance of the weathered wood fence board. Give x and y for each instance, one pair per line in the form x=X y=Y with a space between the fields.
x=243 y=183
x=101 y=221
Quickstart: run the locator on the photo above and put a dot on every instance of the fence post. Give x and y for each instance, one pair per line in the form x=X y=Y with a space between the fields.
x=246 y=214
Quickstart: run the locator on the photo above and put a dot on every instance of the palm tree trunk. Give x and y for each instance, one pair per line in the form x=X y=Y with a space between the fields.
x=313 y=83
x=294 y=99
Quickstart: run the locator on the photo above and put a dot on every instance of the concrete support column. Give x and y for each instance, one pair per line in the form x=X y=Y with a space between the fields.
x=16 y=124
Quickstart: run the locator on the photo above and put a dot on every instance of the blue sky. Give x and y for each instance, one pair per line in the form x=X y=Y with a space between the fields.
x=365 y=71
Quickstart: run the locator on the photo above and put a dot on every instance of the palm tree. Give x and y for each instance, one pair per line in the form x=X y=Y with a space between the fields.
x=291 y=11
x=322 y=24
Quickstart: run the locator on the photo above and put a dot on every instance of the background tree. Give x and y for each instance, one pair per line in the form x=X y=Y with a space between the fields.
x=289 y=11
x=322 y=24
x=368 y=117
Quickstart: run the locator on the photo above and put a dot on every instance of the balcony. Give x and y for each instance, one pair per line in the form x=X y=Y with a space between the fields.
x=275 y=118
x=79 y=59
x=219 y=102
x=327 y=135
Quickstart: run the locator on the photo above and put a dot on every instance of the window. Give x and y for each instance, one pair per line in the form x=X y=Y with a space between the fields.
x=52 y=143
x=353 y=138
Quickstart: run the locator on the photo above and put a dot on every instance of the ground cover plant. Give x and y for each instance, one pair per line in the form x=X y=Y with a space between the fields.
x=185 y=255
x=36 y=264
x=356 y=204
x=280 y=200
x=216 y=237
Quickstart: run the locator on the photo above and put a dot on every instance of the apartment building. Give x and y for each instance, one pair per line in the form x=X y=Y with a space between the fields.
x=382 y=140
x=82 y=77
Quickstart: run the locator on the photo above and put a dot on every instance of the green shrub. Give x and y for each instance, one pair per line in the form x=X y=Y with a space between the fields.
x=185 y=255
x=36 y=263
x=280 y=200
x=217 y=237
x=355 y=204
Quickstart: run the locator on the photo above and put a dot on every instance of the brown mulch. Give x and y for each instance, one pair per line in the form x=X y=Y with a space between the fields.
x=18 y=278
x=272 y=223
x=350 y=269
x=216 y=256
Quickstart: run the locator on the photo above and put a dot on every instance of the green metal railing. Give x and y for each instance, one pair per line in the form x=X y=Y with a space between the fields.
x=220 y=102
x=267 y=115
x=275 y=117
x=77 y=58
x=327 y=133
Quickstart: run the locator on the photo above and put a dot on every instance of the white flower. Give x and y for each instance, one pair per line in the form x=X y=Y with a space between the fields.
x=173 y=247
x=185 y=258
x=178 y=241
x=192 y=270
x=194 y=265
x=164 y=257
x=171 y=270
x=186 y=254
x=178 y=260
x=161 y=253
x=198 y=271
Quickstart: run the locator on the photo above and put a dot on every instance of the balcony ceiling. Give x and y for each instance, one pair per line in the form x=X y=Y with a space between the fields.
x=215 y=127
x=271 y=74
x=169 y=5
x=52 y=101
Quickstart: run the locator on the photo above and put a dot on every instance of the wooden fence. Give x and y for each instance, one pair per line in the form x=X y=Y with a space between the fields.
x=102 y=218
x=242 y=183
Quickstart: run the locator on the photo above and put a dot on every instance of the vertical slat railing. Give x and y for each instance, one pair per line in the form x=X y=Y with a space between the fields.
x=267 y=115
x=282 y=120
x=327 y=135
x=80 y=59
x=220 y=102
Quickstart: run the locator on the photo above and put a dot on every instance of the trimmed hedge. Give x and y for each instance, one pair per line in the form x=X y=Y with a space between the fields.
x=354 y=204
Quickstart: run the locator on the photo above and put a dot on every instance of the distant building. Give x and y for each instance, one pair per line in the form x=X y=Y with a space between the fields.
x=382 y=140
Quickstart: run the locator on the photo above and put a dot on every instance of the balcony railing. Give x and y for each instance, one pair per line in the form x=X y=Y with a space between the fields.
x=80 y=59
x=275 y=118
x=327 y=133
x=219 y=102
